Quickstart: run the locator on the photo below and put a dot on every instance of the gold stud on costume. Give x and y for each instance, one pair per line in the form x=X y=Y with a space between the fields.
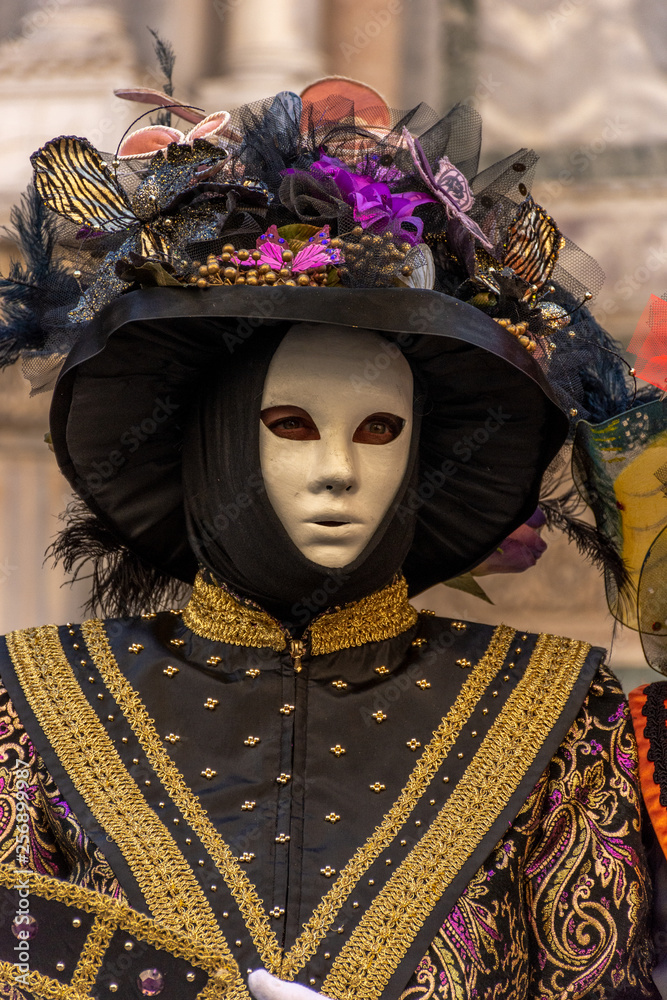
x=379 y=716
x=338 y=750
x=377 y=787
x=170 y=671
x=208 y=773
x=136 y=647
x=211 y=703
x=423 y=684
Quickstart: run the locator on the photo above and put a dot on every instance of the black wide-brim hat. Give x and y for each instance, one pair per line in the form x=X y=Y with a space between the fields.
x=490 y=424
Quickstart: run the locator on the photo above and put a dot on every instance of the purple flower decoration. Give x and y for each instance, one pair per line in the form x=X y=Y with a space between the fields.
x=374 y=206
x=448 y=185
x=377 y=209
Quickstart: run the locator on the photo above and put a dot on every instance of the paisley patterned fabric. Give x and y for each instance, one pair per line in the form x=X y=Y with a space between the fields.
x=559 y=909
x=58 y=845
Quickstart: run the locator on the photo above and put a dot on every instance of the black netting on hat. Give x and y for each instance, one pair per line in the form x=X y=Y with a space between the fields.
x=186 y=207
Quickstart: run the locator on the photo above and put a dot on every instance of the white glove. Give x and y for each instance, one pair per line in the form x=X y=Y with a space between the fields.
x=264 y=986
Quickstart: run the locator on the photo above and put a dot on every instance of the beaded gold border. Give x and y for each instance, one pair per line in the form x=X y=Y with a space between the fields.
x=242 y=889
x=86 y=752
x=383 y=936
x=112 y=915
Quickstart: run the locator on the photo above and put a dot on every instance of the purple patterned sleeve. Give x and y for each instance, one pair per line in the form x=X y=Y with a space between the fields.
x=559 y=910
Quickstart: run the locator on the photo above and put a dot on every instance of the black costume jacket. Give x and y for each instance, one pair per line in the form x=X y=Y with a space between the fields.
x=385 y=795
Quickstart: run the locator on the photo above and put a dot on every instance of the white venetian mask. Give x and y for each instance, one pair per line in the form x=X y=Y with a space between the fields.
x=334 y=437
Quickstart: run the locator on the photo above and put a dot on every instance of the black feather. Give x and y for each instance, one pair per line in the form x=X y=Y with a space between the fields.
x=37 y=284
x=166 y=58
x=121 y=583
x=565 y=513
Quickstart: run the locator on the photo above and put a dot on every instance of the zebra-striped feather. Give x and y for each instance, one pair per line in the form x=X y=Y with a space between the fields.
x=72 y=181
x=533 y=244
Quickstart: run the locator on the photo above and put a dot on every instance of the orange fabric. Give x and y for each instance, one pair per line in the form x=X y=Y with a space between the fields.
x=650 y=790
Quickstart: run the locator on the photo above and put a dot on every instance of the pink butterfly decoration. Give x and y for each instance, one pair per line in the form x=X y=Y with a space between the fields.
x=317 y=252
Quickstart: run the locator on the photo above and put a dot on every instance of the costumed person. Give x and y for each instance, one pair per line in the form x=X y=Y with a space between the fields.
x=620 y=467
x=306 y=359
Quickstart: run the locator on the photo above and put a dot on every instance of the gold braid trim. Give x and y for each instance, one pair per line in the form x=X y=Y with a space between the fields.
x=214 y=613
x=84 y=749
x=90 y=960
x=428 y=764
x=131 y=705
x=377 y=945
x=112 y=915
x=43 y=987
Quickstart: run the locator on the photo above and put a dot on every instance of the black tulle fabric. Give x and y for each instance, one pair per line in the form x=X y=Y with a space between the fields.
x=232 y=527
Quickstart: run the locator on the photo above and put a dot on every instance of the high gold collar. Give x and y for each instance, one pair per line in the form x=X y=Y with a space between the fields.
x=214 y=613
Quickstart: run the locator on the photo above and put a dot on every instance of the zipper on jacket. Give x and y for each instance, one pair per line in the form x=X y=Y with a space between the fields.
x=297 y=649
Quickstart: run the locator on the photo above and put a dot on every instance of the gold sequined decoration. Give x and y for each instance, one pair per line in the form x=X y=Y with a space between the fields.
x=99 y=775
x=111 y=916
x=184 y=798
x=425 y=768
x=377 y=945
x=214 y=613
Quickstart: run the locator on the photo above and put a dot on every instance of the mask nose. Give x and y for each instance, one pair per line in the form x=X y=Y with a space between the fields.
x=333 y=471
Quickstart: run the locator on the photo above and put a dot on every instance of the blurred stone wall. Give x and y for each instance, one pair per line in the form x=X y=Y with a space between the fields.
x=582 y=81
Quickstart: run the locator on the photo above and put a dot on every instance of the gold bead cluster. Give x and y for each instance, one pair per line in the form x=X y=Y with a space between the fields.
x=518 y=330
x=222 y=270
x=372 y=254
